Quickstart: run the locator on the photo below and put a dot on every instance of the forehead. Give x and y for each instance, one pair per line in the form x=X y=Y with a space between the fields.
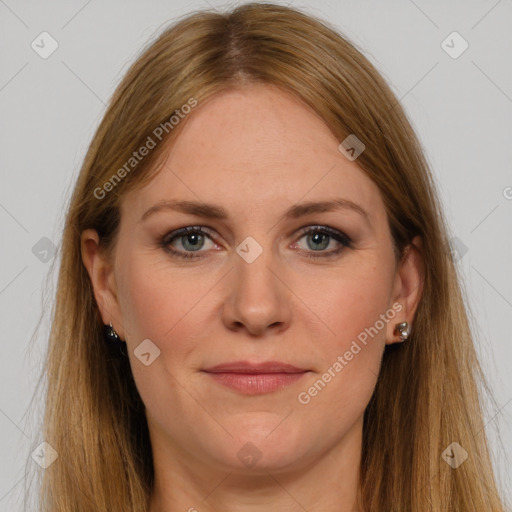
x=256 y=148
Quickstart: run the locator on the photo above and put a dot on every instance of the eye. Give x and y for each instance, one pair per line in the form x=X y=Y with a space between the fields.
x=319 y=238
x=193 y=238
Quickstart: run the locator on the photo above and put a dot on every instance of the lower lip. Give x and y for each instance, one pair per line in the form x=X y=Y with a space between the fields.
x=256 y=383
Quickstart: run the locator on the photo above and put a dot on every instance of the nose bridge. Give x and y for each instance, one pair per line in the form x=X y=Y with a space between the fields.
x=255 y=283
x=252 y=270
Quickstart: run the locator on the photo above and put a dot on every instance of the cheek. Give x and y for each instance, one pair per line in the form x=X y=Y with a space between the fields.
x=165 y=305
x=355 y=313
x=348 y=303
x=155 y=307
x=165 y=311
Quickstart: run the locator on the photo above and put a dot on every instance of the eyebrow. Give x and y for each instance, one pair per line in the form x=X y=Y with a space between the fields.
x=213 y=211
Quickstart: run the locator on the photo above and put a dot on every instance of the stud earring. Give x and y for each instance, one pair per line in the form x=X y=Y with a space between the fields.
x=403 y=330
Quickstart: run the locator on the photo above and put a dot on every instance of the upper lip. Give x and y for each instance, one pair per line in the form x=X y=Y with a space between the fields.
x=248 y=367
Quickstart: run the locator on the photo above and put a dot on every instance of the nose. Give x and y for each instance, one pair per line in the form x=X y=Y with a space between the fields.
x=258 y=298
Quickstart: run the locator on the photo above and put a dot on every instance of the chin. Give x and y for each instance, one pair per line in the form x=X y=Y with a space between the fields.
x=269 y=447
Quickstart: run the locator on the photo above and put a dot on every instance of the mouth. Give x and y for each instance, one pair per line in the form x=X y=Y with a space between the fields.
x=256 y=378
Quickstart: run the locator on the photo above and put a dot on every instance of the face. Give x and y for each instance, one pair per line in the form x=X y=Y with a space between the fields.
x=256 y=279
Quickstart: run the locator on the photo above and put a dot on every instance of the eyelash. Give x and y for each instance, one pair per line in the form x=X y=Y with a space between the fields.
x=340 y=237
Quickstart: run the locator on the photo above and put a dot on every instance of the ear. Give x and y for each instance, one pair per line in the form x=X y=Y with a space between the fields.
x=102 y=277
x=407 y=289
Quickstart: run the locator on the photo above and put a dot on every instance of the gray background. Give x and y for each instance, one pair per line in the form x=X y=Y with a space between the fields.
x=460 y=107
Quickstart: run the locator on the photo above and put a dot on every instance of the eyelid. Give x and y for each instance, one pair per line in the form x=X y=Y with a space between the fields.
x=169 y=236
x=325 y=229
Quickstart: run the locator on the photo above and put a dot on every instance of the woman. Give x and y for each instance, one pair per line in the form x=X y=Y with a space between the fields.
x=257 y=306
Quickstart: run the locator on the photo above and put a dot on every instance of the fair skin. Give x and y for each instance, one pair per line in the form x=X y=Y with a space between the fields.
x=256 y=151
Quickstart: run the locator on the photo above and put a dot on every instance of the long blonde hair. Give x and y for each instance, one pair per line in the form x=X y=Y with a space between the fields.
x=428 y=393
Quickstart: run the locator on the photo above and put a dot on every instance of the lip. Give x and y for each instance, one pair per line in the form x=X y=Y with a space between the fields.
x=256 y=378
x=254 y=368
